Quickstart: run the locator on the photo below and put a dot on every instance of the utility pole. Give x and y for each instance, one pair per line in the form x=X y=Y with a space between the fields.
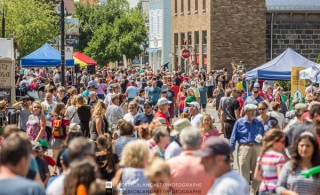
x=62 y=43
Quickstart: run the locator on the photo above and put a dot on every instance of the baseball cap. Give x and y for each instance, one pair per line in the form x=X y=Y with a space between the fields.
x=179 y=125
x=43 y=143
x=110 y=87
x=163 y=101
x=214 y=146
x=193 y=83
x=256 y=85
x=36 y=147
x=250 y=107
x=196 y=104
x=147 y=102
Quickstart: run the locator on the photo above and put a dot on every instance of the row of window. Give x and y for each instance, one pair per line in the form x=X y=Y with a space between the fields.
x=188 y=41
x=189 y=5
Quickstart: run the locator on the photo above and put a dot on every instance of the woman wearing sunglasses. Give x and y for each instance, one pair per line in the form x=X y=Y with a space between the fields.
x=36 y=124
x=269 y=122
x=270 y=161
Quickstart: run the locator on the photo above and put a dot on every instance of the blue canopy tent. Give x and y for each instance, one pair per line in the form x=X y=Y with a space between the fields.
x=45 y=56
x=280 y=67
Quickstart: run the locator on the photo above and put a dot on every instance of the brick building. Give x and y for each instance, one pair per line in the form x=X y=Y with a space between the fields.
x=215 y=31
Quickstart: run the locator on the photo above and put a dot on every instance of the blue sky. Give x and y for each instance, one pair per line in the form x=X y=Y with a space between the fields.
x=133 y=2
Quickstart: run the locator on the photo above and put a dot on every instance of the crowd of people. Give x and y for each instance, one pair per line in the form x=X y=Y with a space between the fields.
x=140 y=131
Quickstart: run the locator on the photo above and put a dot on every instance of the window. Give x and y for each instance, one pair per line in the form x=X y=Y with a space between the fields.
x=204 y=4
x=204 y=42
x=182 y=6
x=189 y=6
x=176 y=43
x=196 y=5
x=183 y=39
x=196 y=39
x=189 y=38
x=175 y=6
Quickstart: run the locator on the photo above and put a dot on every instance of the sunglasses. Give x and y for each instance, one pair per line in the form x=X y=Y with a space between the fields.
x=131 y=107
x=147 y=107
x=262 y=109
x=255 y=92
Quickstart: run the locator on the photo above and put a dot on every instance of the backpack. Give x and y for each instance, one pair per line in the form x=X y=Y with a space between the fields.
x=58 y=128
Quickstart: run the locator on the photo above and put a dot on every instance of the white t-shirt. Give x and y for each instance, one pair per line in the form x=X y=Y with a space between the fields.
x=210 y=81
x=57 y=186
x=47 y=109
x=196 y=120
x=230 y=183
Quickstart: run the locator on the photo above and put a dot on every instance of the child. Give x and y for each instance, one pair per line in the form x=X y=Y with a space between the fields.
x=44 y=145
x=42 y=164
x=239 y=83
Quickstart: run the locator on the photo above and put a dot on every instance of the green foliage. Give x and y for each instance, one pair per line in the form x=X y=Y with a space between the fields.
x=33 y=21
x=109 y=31
x=285 y=84
x=318 y=59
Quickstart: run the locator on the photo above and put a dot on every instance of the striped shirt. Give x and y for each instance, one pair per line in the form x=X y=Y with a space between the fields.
x=269 y=162
x=133 y=181
x=296 y=182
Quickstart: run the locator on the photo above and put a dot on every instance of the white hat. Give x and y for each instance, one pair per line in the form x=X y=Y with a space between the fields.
x=74 y=126
x=250 y=107
x=256 y=85
x=163 y=101
x=193 y=83
x=196 y=104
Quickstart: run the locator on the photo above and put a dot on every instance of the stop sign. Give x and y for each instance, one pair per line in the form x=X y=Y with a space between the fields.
x=185 y=53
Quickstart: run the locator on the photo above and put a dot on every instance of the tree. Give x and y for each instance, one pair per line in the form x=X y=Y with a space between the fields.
x=123 y=36
x=34 y=23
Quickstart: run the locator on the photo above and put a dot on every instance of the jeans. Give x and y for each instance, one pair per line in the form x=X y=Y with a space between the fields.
x=101 y=96
x=269 y=192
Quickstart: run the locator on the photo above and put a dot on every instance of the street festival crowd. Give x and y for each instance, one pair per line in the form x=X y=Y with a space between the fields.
x=113 y=133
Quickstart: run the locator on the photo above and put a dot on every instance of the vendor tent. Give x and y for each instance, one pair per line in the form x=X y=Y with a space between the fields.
x=45 y=56
x=311 y=73
x=280 y=67
x=83 y=60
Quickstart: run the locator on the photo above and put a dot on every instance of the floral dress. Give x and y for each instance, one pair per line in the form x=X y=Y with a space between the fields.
x=33 y=128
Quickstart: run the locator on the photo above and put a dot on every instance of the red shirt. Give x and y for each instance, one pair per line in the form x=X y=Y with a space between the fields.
x=175 y=89
x=261 y=94
x=160 y=114
x=50 y=160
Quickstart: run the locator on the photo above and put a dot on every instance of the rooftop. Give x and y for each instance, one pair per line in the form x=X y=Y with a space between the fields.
x=293 y=5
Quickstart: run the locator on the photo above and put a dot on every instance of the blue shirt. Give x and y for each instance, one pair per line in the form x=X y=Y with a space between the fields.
x=246 y=132
x=141 y=118
x=132 y=92
x=203 y=95
x=92 y=83
x=154 y=93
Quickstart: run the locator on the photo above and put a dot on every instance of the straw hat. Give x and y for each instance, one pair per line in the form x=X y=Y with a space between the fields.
x=74 y=126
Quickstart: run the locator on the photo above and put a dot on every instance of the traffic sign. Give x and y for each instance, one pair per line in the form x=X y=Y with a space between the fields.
x=185 y=53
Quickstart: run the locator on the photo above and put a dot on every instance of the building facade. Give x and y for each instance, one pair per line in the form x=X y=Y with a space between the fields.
x=159 y=33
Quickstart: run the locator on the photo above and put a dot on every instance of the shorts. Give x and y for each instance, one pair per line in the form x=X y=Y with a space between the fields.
x=203 y=105
x=228 y=128
x=41 y=89
x=55 y=143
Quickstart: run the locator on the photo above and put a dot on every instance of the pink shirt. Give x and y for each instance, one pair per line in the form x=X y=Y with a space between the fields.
x=187 y=170
x=205 y=136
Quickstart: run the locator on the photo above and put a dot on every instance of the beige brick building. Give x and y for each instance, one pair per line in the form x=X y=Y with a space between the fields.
x=215 y=31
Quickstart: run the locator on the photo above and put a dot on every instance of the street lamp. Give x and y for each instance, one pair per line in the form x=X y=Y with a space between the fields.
x=3 y=13
x=62 y=43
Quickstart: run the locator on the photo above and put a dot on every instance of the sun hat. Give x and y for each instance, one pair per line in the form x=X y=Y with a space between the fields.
x=196 y=104
x=74 y=126
x=179 y=125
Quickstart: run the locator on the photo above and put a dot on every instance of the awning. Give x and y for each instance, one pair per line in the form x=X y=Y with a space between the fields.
x=83 y=60
x=149 y=50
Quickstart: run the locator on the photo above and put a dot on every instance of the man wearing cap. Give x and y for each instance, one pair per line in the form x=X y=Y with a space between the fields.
x=216 y=161
x=175 y=147
x=146 y=117
x=231 y=112
x=294 y=116
x=107 y=100
x=186 y=168
x=196 y=117
x=253 y=99
x=260 y=93
x=316 y=99
x=248 y=131
x=195 y=90
x=114 y=111
x=163 y=105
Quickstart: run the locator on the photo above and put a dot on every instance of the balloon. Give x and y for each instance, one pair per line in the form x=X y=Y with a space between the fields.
x=310 y=172
x=81 y=190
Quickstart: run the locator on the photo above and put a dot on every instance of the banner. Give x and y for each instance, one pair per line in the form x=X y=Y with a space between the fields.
x=72 y=31
x=5 y=73
x=297 y=86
